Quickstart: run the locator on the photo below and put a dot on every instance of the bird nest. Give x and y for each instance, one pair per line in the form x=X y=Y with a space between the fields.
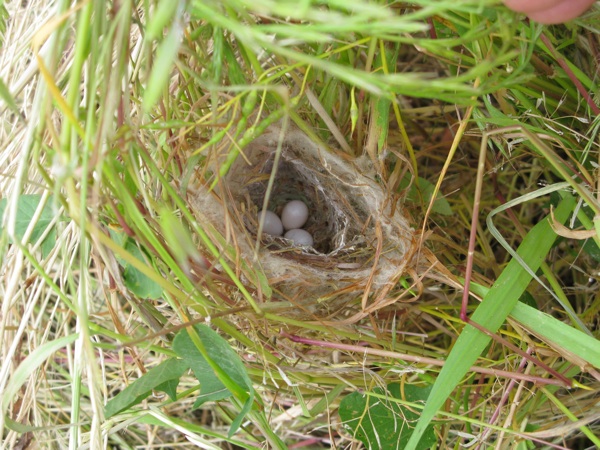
x=362 y=245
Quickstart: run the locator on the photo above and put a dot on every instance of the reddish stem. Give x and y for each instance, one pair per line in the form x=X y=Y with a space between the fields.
x=562 y=63
x=417 y=359
x=520 y=352
x=503 y=401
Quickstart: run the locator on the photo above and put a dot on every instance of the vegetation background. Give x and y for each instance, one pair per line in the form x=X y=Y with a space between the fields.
x=127 y=323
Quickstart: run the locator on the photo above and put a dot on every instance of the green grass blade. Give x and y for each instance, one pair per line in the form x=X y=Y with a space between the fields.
x=161 y=71
x=565 y=410
x=553 y=331
x=491 y=313
x=560 y=298
x=558 y=333
x=8 y=98
x=35 y=359
x=165 y=11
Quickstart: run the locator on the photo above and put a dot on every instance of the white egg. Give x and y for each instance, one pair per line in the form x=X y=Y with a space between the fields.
x=294 y=214
x=272 y=223
x=299 y=237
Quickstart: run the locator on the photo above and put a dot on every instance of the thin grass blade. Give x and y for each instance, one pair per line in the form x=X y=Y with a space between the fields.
x=558 y=333
x=29 y=365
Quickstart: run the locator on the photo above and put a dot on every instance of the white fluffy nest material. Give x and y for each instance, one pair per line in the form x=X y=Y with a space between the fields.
x=362 y=246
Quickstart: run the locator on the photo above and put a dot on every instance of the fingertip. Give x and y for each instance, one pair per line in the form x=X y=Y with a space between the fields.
x=531 y=6
x=562 y=12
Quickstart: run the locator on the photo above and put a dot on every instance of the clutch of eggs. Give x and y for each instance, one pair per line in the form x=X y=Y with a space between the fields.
x=293 y=216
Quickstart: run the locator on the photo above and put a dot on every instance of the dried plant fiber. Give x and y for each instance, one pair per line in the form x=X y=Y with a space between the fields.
x=362 y=245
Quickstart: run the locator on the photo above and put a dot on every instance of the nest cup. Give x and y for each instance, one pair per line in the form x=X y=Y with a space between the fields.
x=361 y=247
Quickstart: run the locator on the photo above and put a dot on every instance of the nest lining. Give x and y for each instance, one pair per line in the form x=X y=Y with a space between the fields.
x=327 y=222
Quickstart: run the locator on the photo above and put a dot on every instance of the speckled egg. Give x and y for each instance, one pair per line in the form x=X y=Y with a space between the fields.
x=272 y=223
x=294 y=214
x=299 y=237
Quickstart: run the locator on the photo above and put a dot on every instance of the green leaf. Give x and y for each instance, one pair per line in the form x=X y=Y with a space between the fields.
x=211 y=388
x=491 y=313
x=138 y=283
x=421 y=193
x=237 y=421
x=440 y=205
x=224 y=368
x=26 y=208
x=169 y=387
x=592 y=249
x=218 y=350
x=528 y=299
x=164 y=377
x=380 y=422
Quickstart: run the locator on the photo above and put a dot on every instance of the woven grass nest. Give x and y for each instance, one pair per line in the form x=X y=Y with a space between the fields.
x=362 y=245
